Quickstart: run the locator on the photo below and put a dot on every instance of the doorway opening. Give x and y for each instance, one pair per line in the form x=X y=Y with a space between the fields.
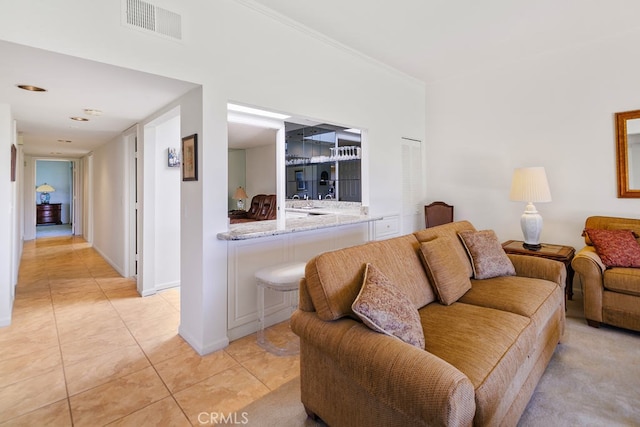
x=54 y=198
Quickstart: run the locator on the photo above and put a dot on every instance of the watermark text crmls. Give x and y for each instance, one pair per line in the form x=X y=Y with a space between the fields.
x=229 y=418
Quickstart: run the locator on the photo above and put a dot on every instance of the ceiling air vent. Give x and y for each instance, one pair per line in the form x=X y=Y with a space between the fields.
x=151 y=18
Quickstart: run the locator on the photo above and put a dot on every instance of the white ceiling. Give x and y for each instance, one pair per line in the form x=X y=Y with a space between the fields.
x=243 y=136
x=125 y=97
x=435 y=39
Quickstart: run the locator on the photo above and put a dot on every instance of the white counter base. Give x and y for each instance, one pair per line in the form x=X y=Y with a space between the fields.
x=246 y=256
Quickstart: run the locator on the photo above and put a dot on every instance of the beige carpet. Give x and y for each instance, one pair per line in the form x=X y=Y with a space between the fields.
x=592 y=380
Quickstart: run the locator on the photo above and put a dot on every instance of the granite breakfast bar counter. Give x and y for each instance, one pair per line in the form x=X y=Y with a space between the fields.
x=317 y=220
x=305 y=232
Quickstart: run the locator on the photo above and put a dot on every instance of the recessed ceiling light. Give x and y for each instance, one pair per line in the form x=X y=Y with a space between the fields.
x=79 y=119
x=65 y=140
x=92 y=112
x=31 y=88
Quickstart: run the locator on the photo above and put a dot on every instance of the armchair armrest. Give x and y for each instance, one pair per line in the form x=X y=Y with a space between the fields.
x=596 y=266
x=409 y=380
x=589 y=271
x=539 y=268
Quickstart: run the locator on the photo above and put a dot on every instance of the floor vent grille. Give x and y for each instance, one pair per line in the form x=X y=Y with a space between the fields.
x=151 y=18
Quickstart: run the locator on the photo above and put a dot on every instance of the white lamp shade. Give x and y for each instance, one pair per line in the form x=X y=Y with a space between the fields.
x=530 y=185
x=45 y=188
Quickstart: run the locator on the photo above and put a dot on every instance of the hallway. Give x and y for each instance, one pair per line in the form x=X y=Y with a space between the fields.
x=85 y=349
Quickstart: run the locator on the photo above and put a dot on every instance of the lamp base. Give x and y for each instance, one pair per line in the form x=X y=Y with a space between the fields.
x=531 y=223
x=531 y=247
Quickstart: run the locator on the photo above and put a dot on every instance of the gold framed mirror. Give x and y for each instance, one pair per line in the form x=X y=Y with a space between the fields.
x=628 y=153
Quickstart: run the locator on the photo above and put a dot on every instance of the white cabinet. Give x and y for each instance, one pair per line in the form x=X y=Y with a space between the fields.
x=387 y=227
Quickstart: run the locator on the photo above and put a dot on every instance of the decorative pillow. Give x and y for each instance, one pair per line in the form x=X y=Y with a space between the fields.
x=616 y=248
x=488 y=259
x=447 y=273
x=588 y=241
x=386 y=309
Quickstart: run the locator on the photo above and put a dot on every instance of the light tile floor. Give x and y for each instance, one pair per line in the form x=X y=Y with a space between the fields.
x=85 y=349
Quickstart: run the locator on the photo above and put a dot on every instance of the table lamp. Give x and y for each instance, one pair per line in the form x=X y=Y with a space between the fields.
x=530 y=185
x=44 y=191
x=240 y=195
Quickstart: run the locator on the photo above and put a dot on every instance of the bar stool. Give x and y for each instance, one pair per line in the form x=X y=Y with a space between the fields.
x=280 y=278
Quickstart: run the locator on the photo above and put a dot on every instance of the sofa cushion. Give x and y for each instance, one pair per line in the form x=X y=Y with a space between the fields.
x=623 y=280
x=487 y=256
x=384 y=308
x=519 y=295
x=450 y=230
x=536 y=299
x=460 y=334
x=616 y=248
x=334 y=278
x=447 y=273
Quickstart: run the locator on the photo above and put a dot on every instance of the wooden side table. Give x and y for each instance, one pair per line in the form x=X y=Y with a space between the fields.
x=235 y=214
x=564 y=254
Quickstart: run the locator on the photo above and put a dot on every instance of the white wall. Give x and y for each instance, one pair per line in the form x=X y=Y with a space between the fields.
x=167 y=206
x=261 y=170
x=110 y=203
x=554 y=110
x=29 y=207
x=237 y=176
x=10 y=242
x=221 y=52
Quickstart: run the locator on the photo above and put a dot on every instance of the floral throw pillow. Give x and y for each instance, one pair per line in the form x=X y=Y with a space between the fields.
x=616 y=248
x=385 y=308
x=487 y=256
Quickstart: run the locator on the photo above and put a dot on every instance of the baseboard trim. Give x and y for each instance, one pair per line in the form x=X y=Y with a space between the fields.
x=207 y=347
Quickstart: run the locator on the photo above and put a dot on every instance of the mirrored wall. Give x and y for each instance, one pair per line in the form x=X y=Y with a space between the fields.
x=323 y=162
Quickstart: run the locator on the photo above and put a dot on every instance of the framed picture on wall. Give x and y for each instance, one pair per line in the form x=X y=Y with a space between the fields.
x=173 y=159
x=190 y=158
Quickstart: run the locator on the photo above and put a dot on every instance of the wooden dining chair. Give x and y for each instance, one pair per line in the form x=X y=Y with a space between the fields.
x=437 y=213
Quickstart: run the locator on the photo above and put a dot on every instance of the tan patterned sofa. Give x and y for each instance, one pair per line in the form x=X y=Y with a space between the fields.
x=483 y=354
x=610 y=295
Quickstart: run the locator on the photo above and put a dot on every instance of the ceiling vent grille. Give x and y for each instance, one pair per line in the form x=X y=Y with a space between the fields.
x=151 y=18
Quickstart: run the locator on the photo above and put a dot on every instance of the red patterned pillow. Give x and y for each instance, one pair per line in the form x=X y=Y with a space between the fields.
x=616 y=248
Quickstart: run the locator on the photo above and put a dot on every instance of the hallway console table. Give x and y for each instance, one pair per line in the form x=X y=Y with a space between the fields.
x=48 y=214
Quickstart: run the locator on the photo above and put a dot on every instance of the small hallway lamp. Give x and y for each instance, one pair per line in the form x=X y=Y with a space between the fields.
x=530 y=185
x=240 y=195
x=44 y=191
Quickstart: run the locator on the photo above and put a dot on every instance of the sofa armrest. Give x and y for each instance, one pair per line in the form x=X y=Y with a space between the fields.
x=408 y=379
x=539 y=268
x=589 y=271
